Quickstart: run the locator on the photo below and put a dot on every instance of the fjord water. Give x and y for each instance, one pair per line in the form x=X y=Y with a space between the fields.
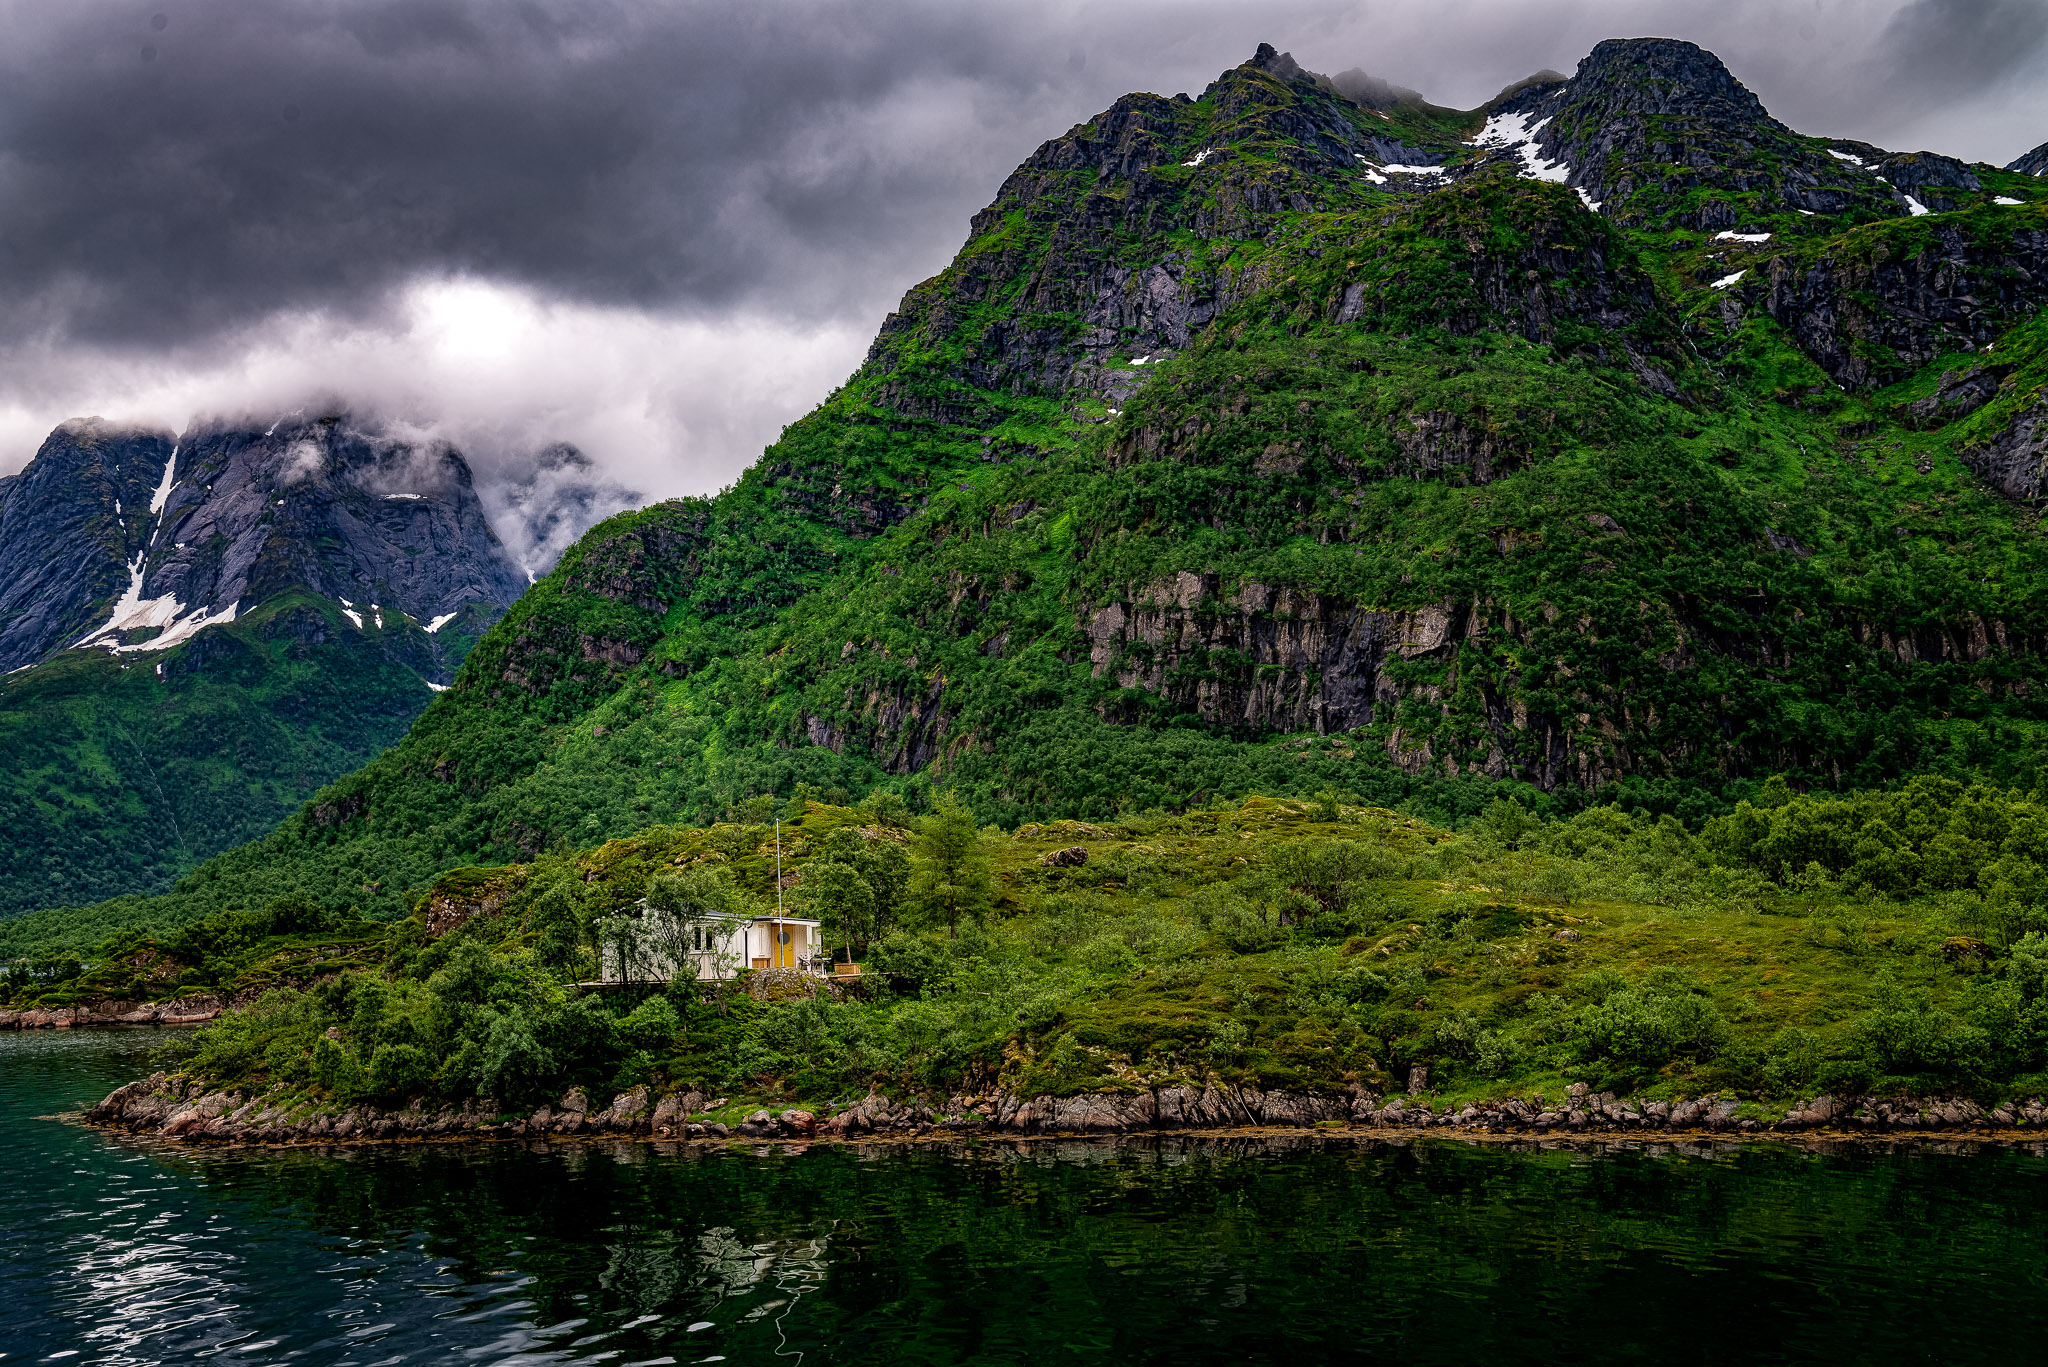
x=116 y=1251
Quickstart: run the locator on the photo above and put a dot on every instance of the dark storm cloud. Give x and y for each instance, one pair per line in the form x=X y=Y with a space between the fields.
x=158 y=182
x=1947 y=50
x=660 y=229
x=166 y=175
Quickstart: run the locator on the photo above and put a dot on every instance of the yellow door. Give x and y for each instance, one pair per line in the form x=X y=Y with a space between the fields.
x=785 y=948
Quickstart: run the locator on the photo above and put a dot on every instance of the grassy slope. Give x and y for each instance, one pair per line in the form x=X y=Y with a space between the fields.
x=1628 y=563
x=122 y=774
x=1759 y=957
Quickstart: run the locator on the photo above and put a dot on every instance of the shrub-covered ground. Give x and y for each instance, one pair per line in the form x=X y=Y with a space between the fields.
x=1886 y=941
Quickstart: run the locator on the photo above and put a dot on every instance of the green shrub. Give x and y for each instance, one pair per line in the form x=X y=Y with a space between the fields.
x=1667 y=1016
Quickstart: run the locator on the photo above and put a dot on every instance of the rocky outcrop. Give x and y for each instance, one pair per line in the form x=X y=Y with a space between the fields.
x=1646 y=123
x=1874 y=311
x=2034 y=163
x=380 y=523
x=1957 y=394
x=191 y=1010
x=71 y=524
x=2016 y=460
x=183 y=1109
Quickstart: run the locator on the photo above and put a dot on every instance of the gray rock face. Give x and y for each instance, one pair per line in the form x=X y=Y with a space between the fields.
x=2034 y=163
x=1960 y=293
x=132 y=541
x=71 y=524
x=325 y=505
x=2016 y=460
x=1660 y=115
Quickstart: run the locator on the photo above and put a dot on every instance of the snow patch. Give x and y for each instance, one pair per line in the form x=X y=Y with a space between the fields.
x=162 y=495
x=134 y=612
x=1742 y=237
x=1592 y=204
x=2007 y=199
x=1201 y=156
x=1807 y=212
x=1915 y=207
x=353 y=616
x=1371 y=172
x=443 y=620
x=117 y=507
x=1401 y=170
x=391 y=496
x=1849 y=157
x=1514 y=133
x=1725 y=281
x=438 y=688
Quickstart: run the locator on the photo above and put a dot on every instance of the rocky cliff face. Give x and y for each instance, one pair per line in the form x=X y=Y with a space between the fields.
x=2034 y=163
x=71 y=526
x=1655 y=131
x=135 y=541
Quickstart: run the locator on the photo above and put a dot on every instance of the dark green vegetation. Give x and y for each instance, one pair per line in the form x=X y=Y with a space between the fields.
x=1215 y=465
x=123 y=773
x=1466 y=489
x=1879 y=944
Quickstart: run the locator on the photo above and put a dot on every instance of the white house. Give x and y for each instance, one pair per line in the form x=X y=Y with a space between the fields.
x=654 y=946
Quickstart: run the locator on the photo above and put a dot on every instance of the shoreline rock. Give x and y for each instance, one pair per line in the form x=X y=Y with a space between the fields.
x=195 y=1010
x=186 y=1110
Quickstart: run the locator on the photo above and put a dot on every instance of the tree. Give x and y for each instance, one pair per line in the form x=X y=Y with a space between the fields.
x=950 y=876
x=688 y=914
x=843 y=900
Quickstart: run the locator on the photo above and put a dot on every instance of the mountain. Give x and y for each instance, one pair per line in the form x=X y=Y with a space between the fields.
x=1613 y=440
x=200 y=631
x=2034 y=163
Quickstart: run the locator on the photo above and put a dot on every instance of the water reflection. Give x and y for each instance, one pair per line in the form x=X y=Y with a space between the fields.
x=1181 y=1251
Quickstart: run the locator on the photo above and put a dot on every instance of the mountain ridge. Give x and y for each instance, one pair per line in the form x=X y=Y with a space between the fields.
x=1230 y=451
x=201 y=630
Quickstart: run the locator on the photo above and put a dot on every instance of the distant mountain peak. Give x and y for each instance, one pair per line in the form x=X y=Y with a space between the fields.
x=131 y=540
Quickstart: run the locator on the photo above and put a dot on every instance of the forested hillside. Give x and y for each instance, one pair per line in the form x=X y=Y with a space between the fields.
x=1610 y=442
x=199 y=632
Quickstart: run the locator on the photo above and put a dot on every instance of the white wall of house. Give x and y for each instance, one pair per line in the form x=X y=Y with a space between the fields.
x=656 y=947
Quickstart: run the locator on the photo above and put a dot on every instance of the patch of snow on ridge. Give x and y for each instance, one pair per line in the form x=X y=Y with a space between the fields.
x=1725 y=281
x=438 y=688
x=2007 y=199
x=134 y=612
x=1401 y=170
x=1849 y=157
x=1514 y=133
x=1371 y=173
x=1742 y=237
x=443 y=620
x=348 y=611
x=391 y=496
x=1915 y=207
x=1591 y=203
x=162 y=495
x=1201 y=157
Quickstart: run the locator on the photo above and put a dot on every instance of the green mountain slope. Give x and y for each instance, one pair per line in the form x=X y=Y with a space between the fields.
x=123 y=774
x=1235 y=453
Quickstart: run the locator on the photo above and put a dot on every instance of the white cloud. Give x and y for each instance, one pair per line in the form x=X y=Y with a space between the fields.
x=660 y=404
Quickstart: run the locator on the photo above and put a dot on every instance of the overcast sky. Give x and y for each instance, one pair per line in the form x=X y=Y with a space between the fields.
x=660 y=231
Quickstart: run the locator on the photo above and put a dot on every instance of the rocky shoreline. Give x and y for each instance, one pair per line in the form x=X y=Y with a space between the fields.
x=185 y=1110
x=185 y=1011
